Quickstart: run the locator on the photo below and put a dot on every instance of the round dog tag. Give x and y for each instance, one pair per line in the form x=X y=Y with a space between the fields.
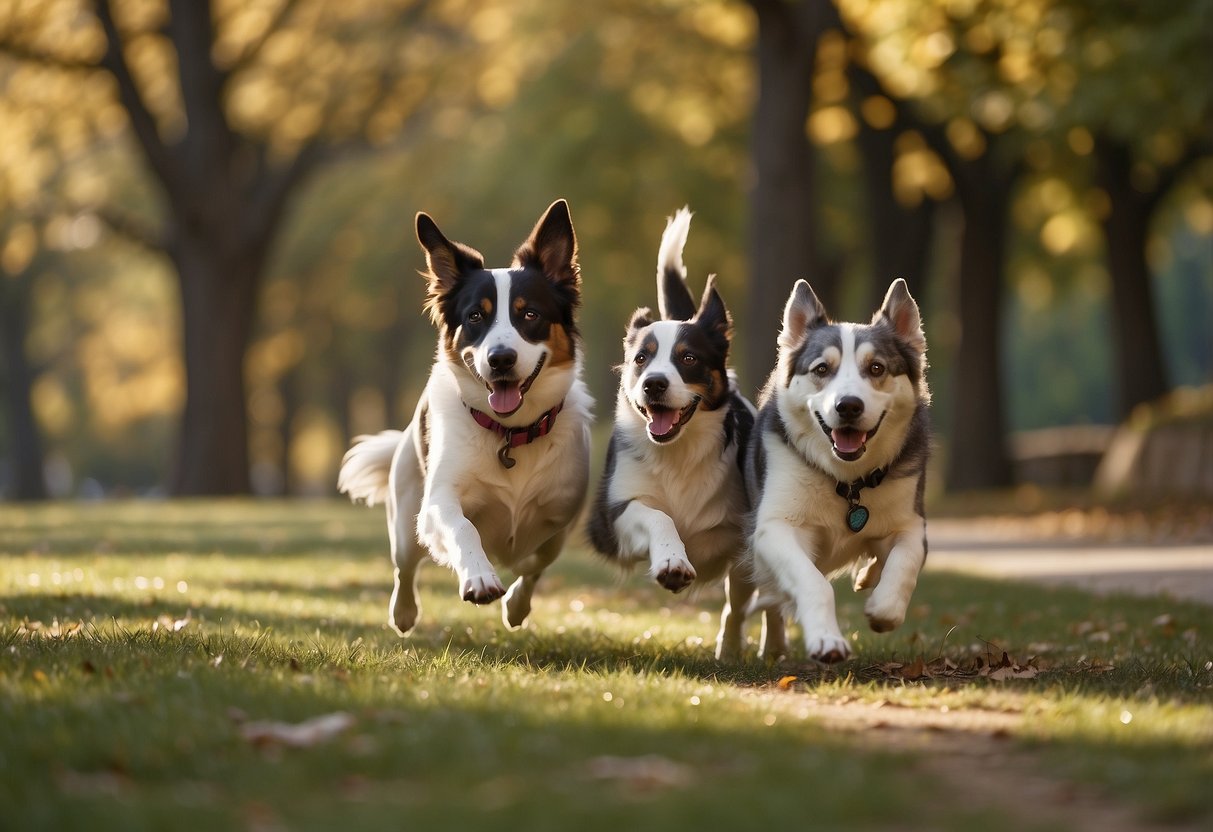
x=857 y=517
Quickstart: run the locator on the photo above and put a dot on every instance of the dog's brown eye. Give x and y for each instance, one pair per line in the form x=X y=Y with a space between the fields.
x=821 y=370
x=689 y=358
x=640 y=358
x=530 y=315
x=877 y=369
x=475 y=317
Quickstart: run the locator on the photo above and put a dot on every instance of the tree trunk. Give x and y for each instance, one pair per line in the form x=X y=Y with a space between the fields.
x=978 y=455
x=1140 y=368
x=782 y=227
x=26 y=443
x=219 y=307
x=900 y=235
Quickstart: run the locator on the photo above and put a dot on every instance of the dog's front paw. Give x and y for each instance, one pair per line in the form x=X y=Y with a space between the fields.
x=884 y=614
x=827 y=648
x=675 y=574
x=482 y=589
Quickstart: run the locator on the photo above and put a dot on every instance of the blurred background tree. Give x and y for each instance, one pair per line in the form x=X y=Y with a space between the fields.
x=1039 y=170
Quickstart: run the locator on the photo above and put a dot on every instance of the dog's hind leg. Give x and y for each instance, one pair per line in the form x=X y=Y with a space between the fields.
x=774 y=645
x=738 y=589
x=404 y=497
x=517 y=603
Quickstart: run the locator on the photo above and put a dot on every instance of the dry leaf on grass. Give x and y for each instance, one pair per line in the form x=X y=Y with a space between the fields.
x=786 y=682
x=651 y=771
x=1009 y=668
x=306 y=734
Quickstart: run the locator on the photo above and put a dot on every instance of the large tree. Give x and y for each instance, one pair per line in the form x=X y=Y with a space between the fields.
x=232 y=107
x=1139 y=102
x=785 y=241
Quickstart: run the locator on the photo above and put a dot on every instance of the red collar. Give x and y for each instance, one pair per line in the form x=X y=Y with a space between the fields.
x=515 y=437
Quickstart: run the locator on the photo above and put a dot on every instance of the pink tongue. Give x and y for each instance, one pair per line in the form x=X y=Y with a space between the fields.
x=848 y=441
x=662 y=421
x=505 y=398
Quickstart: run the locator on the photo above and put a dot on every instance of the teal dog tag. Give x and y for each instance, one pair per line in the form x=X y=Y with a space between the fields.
x=857 y=518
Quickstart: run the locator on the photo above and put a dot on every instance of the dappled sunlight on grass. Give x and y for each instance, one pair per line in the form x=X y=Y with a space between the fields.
x=133 y=660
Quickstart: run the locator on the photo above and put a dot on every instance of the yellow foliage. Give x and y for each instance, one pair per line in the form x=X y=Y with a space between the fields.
x=52 y=406
x=878 y=112
x=918 y=172
x=832 y=124
x=19 y=249
x=1080 y=140
x=1198 y=213
x=966 y=138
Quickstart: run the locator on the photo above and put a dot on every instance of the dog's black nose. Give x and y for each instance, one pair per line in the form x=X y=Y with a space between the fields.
x=502 y=359
x=655 y=385
x=849 y=407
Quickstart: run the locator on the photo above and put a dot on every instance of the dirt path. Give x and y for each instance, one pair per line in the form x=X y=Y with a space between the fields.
x=993 y=549
x=971 y=750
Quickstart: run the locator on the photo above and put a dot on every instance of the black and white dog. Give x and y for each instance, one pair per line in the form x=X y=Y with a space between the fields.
x=494 y=467
x=837 y=465
x=672 y=493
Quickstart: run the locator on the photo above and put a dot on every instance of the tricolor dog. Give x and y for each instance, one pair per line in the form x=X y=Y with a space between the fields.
x=836 y=467
x=672 y=494
x=493 y=469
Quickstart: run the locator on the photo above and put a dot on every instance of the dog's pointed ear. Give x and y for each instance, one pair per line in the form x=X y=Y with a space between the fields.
x=552 y=247
x=448 y=262
x=901 y=312
x=641 y=318
x=713 y=315
x=802 y=313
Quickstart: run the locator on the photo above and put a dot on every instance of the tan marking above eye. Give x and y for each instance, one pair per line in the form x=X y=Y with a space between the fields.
x=486 y=305
x=519 y=304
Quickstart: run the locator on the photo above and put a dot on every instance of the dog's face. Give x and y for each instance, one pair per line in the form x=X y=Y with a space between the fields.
x=505 y=327
x=671 y=369
x=857 y=383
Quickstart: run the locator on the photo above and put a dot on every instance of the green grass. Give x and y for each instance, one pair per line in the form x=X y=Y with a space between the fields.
x=116 y=715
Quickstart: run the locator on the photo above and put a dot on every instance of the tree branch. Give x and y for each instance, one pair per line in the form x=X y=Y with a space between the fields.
x=253 y=49
x=142 y=121
x=24 y=52
x=131 y=228
x=274 y=185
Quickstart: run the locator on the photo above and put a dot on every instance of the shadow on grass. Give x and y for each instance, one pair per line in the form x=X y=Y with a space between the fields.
x=549 y=750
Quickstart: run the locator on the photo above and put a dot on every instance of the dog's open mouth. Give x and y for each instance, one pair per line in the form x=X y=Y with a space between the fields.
x=848 y=443
x=666 y=422
x=506 y=395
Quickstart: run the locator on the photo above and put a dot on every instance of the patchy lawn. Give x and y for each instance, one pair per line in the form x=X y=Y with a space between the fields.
x=226 y=665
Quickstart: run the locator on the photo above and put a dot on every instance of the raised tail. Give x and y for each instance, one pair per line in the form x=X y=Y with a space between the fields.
x=365 y=467
x=674 y=299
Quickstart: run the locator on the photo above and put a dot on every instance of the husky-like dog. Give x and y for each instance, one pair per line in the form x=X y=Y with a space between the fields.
x=837 y=465
x=494 y=467
x=672 y=493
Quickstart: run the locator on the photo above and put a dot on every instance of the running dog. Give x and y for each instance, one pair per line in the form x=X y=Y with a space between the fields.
x=672 y=493
x=494 y=467
x=837 y=465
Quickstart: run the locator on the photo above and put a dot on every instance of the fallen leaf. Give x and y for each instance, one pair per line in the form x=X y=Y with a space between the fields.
x=306 y=734
x=786 y=682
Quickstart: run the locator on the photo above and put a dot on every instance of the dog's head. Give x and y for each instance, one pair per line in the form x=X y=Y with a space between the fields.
x=859 y=384
x=671 y=369
x=505 y=327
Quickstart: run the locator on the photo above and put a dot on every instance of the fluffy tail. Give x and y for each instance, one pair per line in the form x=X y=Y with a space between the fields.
x=364 y=470
x=674 y=299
